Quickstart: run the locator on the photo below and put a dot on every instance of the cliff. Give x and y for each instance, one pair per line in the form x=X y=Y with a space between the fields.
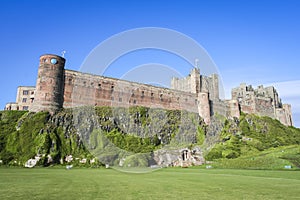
x=87 y=134
x=135 y=136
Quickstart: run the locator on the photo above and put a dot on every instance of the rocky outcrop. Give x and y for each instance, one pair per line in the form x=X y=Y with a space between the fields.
x=179 y=157
x=96 y=132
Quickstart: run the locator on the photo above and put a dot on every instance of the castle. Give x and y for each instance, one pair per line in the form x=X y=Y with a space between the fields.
x=57 y=88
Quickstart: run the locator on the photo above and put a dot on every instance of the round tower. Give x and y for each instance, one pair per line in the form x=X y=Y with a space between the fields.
x=49 y=91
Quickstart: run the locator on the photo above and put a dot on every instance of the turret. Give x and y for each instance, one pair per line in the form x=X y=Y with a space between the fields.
x=50 y=84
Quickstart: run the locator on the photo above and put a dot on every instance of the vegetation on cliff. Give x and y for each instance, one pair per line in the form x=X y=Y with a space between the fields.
x=25 y=135
x=82 y=133
x=137 y=130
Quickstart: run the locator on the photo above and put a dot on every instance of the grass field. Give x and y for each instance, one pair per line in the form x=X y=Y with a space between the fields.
x=171 y=183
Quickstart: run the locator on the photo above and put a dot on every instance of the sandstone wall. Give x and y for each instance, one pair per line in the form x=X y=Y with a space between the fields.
x=210 y=84
x=233 y=108
x=50 y=84
x=204 y=106
x=284 y=115
x=262 y=101
x=86 y=89
x=264 y=107
x=57 y=88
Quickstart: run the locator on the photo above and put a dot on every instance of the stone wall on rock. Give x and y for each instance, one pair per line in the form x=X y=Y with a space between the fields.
x=262 y=101
x=49 y=90
x=86 y=89
x=58 y=88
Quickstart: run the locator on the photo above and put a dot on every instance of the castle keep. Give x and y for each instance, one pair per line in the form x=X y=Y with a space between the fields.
x=57 y=88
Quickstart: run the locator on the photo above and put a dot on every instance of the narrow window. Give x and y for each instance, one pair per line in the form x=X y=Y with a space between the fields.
x=25 y=107
x=25 y=92
x=24 y=100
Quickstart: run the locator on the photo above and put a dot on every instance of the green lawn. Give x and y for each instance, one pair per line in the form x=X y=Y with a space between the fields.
x=171 y=183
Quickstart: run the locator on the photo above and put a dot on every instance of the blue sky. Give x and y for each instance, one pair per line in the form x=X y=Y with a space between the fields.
x=256 y=42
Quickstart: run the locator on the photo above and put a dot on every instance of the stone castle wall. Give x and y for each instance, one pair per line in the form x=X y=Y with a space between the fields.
x=58 y=88
x=49 y=84
x=262 y=101
x=86 y=89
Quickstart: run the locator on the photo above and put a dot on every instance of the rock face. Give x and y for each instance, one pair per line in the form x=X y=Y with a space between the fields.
x=77 y=136
x=179 y=157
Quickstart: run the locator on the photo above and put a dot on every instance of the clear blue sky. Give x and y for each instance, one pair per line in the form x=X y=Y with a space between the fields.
x=256 y=42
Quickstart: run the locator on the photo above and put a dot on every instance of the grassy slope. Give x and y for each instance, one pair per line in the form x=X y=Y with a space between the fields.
x=274 y=158
x=171 y=183
x=255 y=142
